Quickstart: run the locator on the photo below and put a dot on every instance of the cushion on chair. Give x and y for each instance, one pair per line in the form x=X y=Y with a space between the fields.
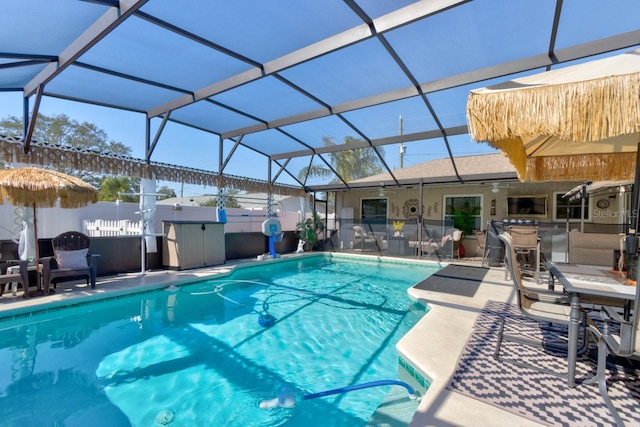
x=72 y=259
x=453 y=234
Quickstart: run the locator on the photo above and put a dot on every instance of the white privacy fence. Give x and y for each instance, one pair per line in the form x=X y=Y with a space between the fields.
x=119 y=218
x=104 y=228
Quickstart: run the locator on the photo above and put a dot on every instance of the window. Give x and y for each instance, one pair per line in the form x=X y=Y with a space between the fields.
x=374 y=211
x=463 y=212
x=574 y=208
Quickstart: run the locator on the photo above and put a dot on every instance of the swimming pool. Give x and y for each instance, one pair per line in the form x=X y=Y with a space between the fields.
x=199 y=355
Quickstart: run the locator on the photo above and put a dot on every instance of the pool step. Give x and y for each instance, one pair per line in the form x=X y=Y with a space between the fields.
x=396 y=410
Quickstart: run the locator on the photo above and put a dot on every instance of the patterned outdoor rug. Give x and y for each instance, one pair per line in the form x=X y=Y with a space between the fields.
x=455 y=279
x=537 y=396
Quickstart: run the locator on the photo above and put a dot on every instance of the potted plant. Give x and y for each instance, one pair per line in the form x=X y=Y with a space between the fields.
x=464 y=217
x=398 y=226
x=309 y=229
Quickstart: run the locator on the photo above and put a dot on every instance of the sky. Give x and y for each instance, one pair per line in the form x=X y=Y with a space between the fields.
x=129 y=128
x=468 y=45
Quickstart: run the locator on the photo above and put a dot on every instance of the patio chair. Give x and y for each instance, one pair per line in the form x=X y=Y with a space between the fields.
x=430 y=244
x=451 y=241
x=525 y=243
x=481 y=235
x=6 y=277
x=71 y=260
x=495 y=248
x=543 y=306
x=625 y=342
x=362 y=240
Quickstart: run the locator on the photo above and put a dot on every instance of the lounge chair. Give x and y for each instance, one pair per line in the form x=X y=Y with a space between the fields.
x=71 y=260
x=20 y=277
x=544 y=306
x=624 y=343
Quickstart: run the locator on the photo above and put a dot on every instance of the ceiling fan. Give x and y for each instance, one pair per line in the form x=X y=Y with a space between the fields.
x=495 y=187
x=384 y=191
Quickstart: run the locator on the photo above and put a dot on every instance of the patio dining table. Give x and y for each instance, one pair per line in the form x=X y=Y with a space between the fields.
x=589 y=284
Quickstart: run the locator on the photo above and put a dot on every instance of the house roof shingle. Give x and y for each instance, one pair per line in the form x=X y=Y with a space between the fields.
x=484 y=167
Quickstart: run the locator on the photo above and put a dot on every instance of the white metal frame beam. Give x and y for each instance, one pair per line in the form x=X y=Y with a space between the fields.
x=532 y=63
x=408 y=137
x=120 y=10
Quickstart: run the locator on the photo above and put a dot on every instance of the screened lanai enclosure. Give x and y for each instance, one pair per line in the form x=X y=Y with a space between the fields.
x=285 y=96
x=287 y=84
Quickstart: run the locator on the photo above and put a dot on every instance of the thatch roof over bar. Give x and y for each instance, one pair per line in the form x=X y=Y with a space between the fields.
x=573 y=123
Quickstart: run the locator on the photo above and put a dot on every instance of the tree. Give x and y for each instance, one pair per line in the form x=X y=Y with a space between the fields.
x=211 y=202
x=166 y=191
x=62 y=130
x=349 y=164
x=231 y=201
x=111 y=186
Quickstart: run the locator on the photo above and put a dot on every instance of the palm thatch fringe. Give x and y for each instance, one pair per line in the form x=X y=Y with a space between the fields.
x=53 y=155
x=514 y=151
x=582 y=111
x=46 y=198
x=588 y=167
x=40 y=187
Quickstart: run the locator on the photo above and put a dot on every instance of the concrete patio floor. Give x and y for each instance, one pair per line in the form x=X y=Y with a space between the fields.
x=433 y=345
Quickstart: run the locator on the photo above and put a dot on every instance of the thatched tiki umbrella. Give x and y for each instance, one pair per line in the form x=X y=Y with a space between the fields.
x=571 y=124
x=41 y=188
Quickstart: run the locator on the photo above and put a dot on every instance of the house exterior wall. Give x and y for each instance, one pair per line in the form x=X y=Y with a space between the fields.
x=433 y=200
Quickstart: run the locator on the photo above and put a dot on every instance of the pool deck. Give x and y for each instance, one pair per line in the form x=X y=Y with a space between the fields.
x=448 y=325
x=446 y=328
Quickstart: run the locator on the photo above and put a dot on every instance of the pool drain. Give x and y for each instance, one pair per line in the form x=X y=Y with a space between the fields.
x=165 y=417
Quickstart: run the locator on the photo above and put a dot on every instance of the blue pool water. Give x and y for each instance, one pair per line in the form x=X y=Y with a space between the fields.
x=198 y=356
